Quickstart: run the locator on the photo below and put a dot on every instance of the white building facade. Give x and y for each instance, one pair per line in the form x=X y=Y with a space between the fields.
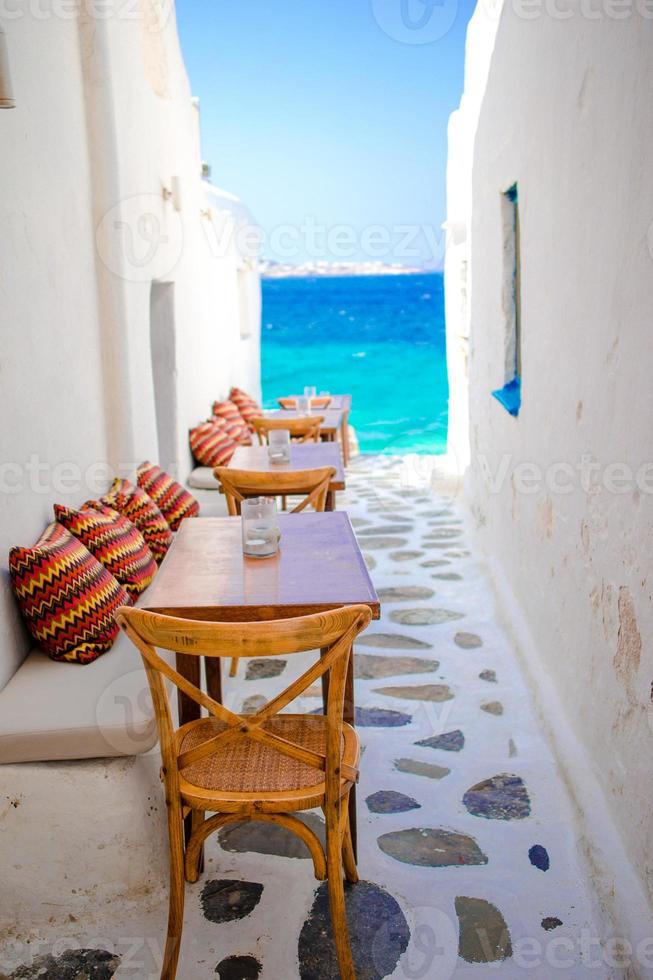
x=123 y=313
x=549 y=280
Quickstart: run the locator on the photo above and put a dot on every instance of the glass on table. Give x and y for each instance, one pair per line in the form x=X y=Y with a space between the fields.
x=279 y=446
x=310 y=392
x=260 y=527
x=304 y=405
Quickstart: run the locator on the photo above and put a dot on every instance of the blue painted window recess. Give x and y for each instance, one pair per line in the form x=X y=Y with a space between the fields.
x=510 y=394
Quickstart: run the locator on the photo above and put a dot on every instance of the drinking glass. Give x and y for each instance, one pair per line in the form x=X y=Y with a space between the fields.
x=310 y=392
x=279 y=446
x=260 y=527
x=304 y=406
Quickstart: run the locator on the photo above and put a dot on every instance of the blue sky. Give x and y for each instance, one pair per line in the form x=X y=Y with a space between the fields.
x=329 y=118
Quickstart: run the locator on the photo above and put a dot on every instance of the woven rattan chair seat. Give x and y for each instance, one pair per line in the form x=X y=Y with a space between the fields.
x=247 y=766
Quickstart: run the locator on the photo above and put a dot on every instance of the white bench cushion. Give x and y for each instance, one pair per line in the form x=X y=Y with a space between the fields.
x=51 y=711
x=202 y=478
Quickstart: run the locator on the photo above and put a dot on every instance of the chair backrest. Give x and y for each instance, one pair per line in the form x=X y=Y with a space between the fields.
x=238 y=485
x=302 y=428
x=332 y=632
x=321 y=401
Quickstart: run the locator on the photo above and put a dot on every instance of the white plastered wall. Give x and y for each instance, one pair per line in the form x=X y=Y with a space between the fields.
x=103 y=123
x=564 y=113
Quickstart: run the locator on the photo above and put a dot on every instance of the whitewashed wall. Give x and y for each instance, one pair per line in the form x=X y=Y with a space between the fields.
x=103 y=122
x=567 y=114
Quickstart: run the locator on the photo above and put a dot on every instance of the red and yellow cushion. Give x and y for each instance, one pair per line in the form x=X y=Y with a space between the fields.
x=115 y=542
x=236 y=425
x=174 y=502
x=134 y=504
x=67 y=598
x=211 y=444
x=247 y=406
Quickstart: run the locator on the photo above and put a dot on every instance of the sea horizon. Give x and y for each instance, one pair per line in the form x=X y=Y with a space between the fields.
x=380 y=338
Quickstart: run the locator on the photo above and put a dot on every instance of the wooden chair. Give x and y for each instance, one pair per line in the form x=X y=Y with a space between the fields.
x=302 y=429
x=240 y=484
x=265 y=766
x=321 y=401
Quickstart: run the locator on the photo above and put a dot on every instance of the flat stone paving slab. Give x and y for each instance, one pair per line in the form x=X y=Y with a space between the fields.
x=268 y=838
x=426 y=769
x=391 y=641
x=449 y=742
x=367 y=666
x=405 y=593
x=378 y=932
x=73 y=964
x=224 y=900
x=432 y=848
x=424 y=617
x=468 y=641
x=390 y=801
x=421 y=692
x=239 y=968
x=502 y=797
x=484 y=935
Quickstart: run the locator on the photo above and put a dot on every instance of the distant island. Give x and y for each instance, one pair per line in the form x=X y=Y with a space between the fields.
x=280 y=270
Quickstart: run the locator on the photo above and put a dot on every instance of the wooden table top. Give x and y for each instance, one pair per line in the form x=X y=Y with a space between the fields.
x=205 y=575
x=303 y=456
x=332 y=417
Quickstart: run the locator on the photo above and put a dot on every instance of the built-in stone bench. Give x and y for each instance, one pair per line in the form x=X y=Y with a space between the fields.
x=82 y=813
x=206 y=490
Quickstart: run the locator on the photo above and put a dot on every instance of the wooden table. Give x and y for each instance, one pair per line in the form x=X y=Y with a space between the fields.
x=303 y=456
x=341 y=403
x=205 y=576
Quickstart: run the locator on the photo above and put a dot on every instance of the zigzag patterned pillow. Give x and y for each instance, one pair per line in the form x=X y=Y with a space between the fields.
x=246 y=405
x=115 y=542
x=67 y=598
x=236 y=425
x=175 y=503
x=211 y=443
x=134 y=504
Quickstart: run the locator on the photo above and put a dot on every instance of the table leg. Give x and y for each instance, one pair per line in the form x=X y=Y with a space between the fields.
x=213 y=668
x=344 y=436
x=330 y=501
x=349 y=715
x=190 y=668
x=325 y=684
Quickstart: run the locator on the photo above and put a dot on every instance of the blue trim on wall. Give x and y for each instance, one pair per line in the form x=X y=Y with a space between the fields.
x=510 y=396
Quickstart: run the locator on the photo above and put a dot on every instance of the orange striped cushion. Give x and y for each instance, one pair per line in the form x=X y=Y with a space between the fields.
x=115 y=542
x=211 y=443
x=67 y=598
x=237 y=427
x=247 y=407
x=134 y=504
x=175 y=503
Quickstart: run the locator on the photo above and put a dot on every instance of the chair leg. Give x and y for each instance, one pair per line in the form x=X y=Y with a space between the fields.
x=176 y=906
x=233 y=670
x=348 y=856
x=337 y=895
x=193 y=871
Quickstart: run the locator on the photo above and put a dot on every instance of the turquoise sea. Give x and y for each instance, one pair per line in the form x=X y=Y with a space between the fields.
x=379 y=338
